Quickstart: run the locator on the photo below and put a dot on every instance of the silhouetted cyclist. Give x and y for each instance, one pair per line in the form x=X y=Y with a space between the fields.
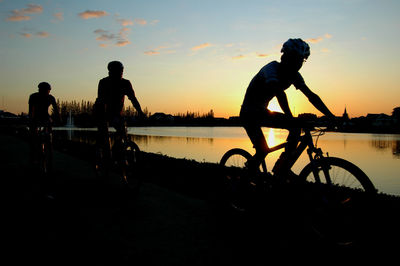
x=109 y=104
x=272 y=81
x=39 y=103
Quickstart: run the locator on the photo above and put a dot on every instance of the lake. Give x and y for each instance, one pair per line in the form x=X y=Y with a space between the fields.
x=378 y=155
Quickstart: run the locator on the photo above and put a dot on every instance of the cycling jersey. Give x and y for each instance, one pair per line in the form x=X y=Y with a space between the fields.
x=39 y=106
x=111 y=93
x=259 y=92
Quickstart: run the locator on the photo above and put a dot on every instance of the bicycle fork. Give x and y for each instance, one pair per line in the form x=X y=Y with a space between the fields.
x=318 y=157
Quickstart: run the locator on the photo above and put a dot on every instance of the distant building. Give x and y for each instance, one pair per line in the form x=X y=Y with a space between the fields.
x=161 y=117
x=345 y=116
x=380 y=120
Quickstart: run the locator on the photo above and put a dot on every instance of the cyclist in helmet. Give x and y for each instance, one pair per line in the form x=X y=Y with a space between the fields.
x=39 y=103
x=109 y=104
x=272 y=81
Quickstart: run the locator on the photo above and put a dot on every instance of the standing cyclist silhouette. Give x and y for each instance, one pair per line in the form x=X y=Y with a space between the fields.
x=109 y=104
x=272 y=81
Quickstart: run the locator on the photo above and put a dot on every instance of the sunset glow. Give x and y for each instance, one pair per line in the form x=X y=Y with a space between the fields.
x=200 y=55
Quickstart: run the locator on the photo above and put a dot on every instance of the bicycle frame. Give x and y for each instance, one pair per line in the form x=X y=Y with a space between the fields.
x=305 y=141
x=43 y=146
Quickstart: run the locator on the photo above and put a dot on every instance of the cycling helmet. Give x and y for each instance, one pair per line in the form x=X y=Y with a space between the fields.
x=115 y=66
x=296 y=47
x=44 y=86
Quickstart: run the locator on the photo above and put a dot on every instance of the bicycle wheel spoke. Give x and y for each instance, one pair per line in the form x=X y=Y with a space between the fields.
x=341 y=204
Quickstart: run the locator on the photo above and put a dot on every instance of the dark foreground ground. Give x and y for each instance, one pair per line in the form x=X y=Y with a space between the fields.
x=174 y=220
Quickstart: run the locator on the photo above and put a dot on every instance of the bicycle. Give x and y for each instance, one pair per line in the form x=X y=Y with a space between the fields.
x=340 y=191
x=43 y=150
x=126 y=164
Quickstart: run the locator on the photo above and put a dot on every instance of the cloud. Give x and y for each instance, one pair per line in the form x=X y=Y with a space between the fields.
x=105 y=37
x=151 y=52
x=238 y=57
x=166 y=49
x=59 y=16
x=42 y=34
x=315 y=40
x=201 y=46
x=262 y=55
x=319 y=39
x=122 y=43
x=120 y=39
x=140 y=21
x=18 y=18
x=154 y=22
x=100 y=31
x=125 y=22
x=92 y=14
x=26 y=35
x=20 y=14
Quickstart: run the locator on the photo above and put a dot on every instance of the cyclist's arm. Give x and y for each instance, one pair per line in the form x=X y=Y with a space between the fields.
x=281 y=97
x=283 y=103
x=56 y=112
x=31 y=109
x=133 y=99
x=101 y=95
x=316 y=101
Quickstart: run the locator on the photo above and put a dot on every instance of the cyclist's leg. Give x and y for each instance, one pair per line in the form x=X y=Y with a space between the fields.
x=252 y=122
x=33 y=135
x=286 y=159
x=259 y=143
x=102 y=140
x=118 y=123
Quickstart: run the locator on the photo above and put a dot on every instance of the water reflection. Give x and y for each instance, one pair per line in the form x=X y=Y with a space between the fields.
x=382 y=143
x=376 y=155
x=148 y=140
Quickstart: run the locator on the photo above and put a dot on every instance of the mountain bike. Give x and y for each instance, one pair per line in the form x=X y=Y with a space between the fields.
x=124 y=159
x=338 y=191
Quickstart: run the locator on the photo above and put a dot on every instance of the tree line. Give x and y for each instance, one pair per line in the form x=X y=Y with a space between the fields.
x=83 y=116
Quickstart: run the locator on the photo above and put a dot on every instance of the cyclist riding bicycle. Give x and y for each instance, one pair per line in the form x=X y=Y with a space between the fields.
x=272 y=81
x=109 y=104
x=39 y=103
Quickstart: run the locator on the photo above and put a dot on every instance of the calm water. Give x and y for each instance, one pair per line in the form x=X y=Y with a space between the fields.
x=376 y=154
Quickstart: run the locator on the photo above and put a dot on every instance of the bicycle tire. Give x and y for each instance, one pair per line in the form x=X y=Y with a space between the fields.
x=132 y=175
x=235 y=179
x=340 y=204
x=45 y=160
x=360 y=182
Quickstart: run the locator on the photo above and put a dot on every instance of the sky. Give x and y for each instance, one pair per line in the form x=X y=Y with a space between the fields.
x=201 y=55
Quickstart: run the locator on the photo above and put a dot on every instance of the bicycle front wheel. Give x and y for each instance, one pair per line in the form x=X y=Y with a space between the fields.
x=337 y=172
x=340 y=199
x=131 y=170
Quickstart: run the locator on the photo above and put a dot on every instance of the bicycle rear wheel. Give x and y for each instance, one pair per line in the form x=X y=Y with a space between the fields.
x=131 y=173
x=341 y=199
x=235 y=179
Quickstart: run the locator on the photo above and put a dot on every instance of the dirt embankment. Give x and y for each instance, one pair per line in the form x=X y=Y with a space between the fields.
x=175 y=219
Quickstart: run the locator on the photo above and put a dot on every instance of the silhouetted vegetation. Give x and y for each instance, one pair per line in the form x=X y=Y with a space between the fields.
x=82 y=116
